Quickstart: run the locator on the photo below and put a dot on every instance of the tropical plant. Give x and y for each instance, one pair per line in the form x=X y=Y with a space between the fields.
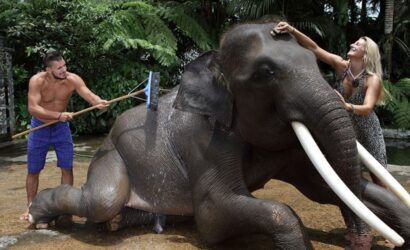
x=398 y=105
x=111 y=44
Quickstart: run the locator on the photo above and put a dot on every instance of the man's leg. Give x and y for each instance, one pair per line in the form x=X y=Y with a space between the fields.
x=37 y=148
x=67 y=176
x=31 y=190
x=63 y=145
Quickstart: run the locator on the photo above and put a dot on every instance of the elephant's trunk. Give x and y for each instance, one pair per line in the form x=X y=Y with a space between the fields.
x=319 y=108
x=334 y=133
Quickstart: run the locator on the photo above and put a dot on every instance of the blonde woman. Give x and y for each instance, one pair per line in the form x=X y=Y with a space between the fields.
x=360 y=88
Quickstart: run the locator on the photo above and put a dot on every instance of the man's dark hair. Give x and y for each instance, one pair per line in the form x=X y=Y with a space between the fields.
x=50 y=57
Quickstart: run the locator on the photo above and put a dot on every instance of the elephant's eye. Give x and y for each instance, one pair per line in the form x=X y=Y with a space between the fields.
x=263 y=73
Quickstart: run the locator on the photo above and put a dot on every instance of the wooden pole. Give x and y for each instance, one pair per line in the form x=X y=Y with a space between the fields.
x=78 y=113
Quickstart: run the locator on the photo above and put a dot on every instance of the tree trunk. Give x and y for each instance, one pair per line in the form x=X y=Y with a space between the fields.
x=363 y=12
x=353 y=11
x=388 y=32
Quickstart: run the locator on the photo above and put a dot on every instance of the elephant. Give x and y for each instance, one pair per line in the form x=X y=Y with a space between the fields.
x=221 y=134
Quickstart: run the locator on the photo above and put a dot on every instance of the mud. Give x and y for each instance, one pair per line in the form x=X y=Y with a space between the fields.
x=324 y=222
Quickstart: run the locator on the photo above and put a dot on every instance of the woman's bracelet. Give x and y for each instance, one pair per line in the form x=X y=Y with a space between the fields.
x=293 y=30
x=351 y=108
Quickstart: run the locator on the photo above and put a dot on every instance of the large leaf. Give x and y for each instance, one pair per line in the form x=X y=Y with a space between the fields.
x=186 y=24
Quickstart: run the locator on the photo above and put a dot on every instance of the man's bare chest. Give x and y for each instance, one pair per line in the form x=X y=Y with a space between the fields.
x=56 y=92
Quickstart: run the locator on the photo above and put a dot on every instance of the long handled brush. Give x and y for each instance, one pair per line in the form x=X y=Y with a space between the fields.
x=151 y=91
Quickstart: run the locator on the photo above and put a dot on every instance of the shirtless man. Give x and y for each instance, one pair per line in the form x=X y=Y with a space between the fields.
x=48 y=96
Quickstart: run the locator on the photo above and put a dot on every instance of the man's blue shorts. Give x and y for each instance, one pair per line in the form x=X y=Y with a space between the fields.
x=58 y=136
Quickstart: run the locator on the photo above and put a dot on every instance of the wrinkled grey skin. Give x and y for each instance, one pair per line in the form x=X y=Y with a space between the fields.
x=206 y=149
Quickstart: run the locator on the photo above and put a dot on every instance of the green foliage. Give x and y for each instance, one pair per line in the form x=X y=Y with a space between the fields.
x=251 y=9
x=398 y=105
x=185 y=24
x=111 y=44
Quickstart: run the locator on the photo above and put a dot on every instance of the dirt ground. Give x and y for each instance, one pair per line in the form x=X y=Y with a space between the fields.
x=324 y=222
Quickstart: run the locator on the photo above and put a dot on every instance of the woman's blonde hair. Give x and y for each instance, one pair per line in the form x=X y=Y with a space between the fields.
x=373 y=65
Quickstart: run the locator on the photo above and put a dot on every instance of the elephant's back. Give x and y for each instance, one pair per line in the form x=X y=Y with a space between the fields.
x=157 y=176
x=137 y=116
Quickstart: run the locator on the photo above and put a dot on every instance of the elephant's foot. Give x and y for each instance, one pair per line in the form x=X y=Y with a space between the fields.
x=63 y=221
x=115 y=223
x=359 y=242
x=41 y=225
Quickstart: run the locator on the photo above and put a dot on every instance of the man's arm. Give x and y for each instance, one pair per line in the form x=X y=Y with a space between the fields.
x=34 y=101
x=86 y=93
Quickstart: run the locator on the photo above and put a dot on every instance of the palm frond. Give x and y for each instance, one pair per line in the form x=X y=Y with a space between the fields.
x=398 y=105
x=139 y=6
x=404 y=86
x=401 y=115
x=396 y=93
x=136 y=26
x=186 y=24
x=251 y=9
x=402 y=45
x=316 y=27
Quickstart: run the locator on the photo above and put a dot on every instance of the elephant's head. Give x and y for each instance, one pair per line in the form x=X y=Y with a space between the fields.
x=258 y=84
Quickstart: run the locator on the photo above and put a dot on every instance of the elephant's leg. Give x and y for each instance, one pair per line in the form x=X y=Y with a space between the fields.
x=359 y=233
x=244 y=215
x=223 y=206
x=101 y=198
x=388 y=208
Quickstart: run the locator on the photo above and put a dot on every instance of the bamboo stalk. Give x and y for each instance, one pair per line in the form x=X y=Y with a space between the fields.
x=78 y=113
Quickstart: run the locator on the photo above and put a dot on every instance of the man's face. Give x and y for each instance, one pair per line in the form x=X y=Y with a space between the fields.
x=58 y=69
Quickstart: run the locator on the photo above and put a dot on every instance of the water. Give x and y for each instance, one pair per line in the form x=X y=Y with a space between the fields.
x=30 y=237
x=16 y=152
x=398 y=152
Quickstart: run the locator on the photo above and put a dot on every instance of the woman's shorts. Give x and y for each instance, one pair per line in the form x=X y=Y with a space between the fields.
x=39 y=142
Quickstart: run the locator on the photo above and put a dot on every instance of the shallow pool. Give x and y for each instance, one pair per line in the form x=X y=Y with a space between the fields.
x=398 y=152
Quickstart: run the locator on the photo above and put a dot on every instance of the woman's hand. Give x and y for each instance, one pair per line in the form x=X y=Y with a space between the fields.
x=283 y=27
x=341 y=97
x=347 y=106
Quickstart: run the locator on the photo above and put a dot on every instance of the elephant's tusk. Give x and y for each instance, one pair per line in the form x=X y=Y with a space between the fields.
x=338 y=186
x=376 y=168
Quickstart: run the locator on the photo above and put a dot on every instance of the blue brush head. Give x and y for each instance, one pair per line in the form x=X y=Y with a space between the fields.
x=152 y=90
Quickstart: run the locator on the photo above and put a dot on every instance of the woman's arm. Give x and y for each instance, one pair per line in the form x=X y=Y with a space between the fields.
x=335 y=61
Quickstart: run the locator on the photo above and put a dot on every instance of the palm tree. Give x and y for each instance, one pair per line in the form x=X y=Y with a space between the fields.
x=388 y=32
x=156 y=28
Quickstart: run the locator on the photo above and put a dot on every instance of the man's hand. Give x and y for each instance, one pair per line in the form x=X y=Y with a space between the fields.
x=102 y=104
x=65 y=116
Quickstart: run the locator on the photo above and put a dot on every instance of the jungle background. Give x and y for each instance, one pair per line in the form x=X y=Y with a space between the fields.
x=113 y=44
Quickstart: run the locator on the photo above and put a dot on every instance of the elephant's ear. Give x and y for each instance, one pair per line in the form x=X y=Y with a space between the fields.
x=200 y=91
